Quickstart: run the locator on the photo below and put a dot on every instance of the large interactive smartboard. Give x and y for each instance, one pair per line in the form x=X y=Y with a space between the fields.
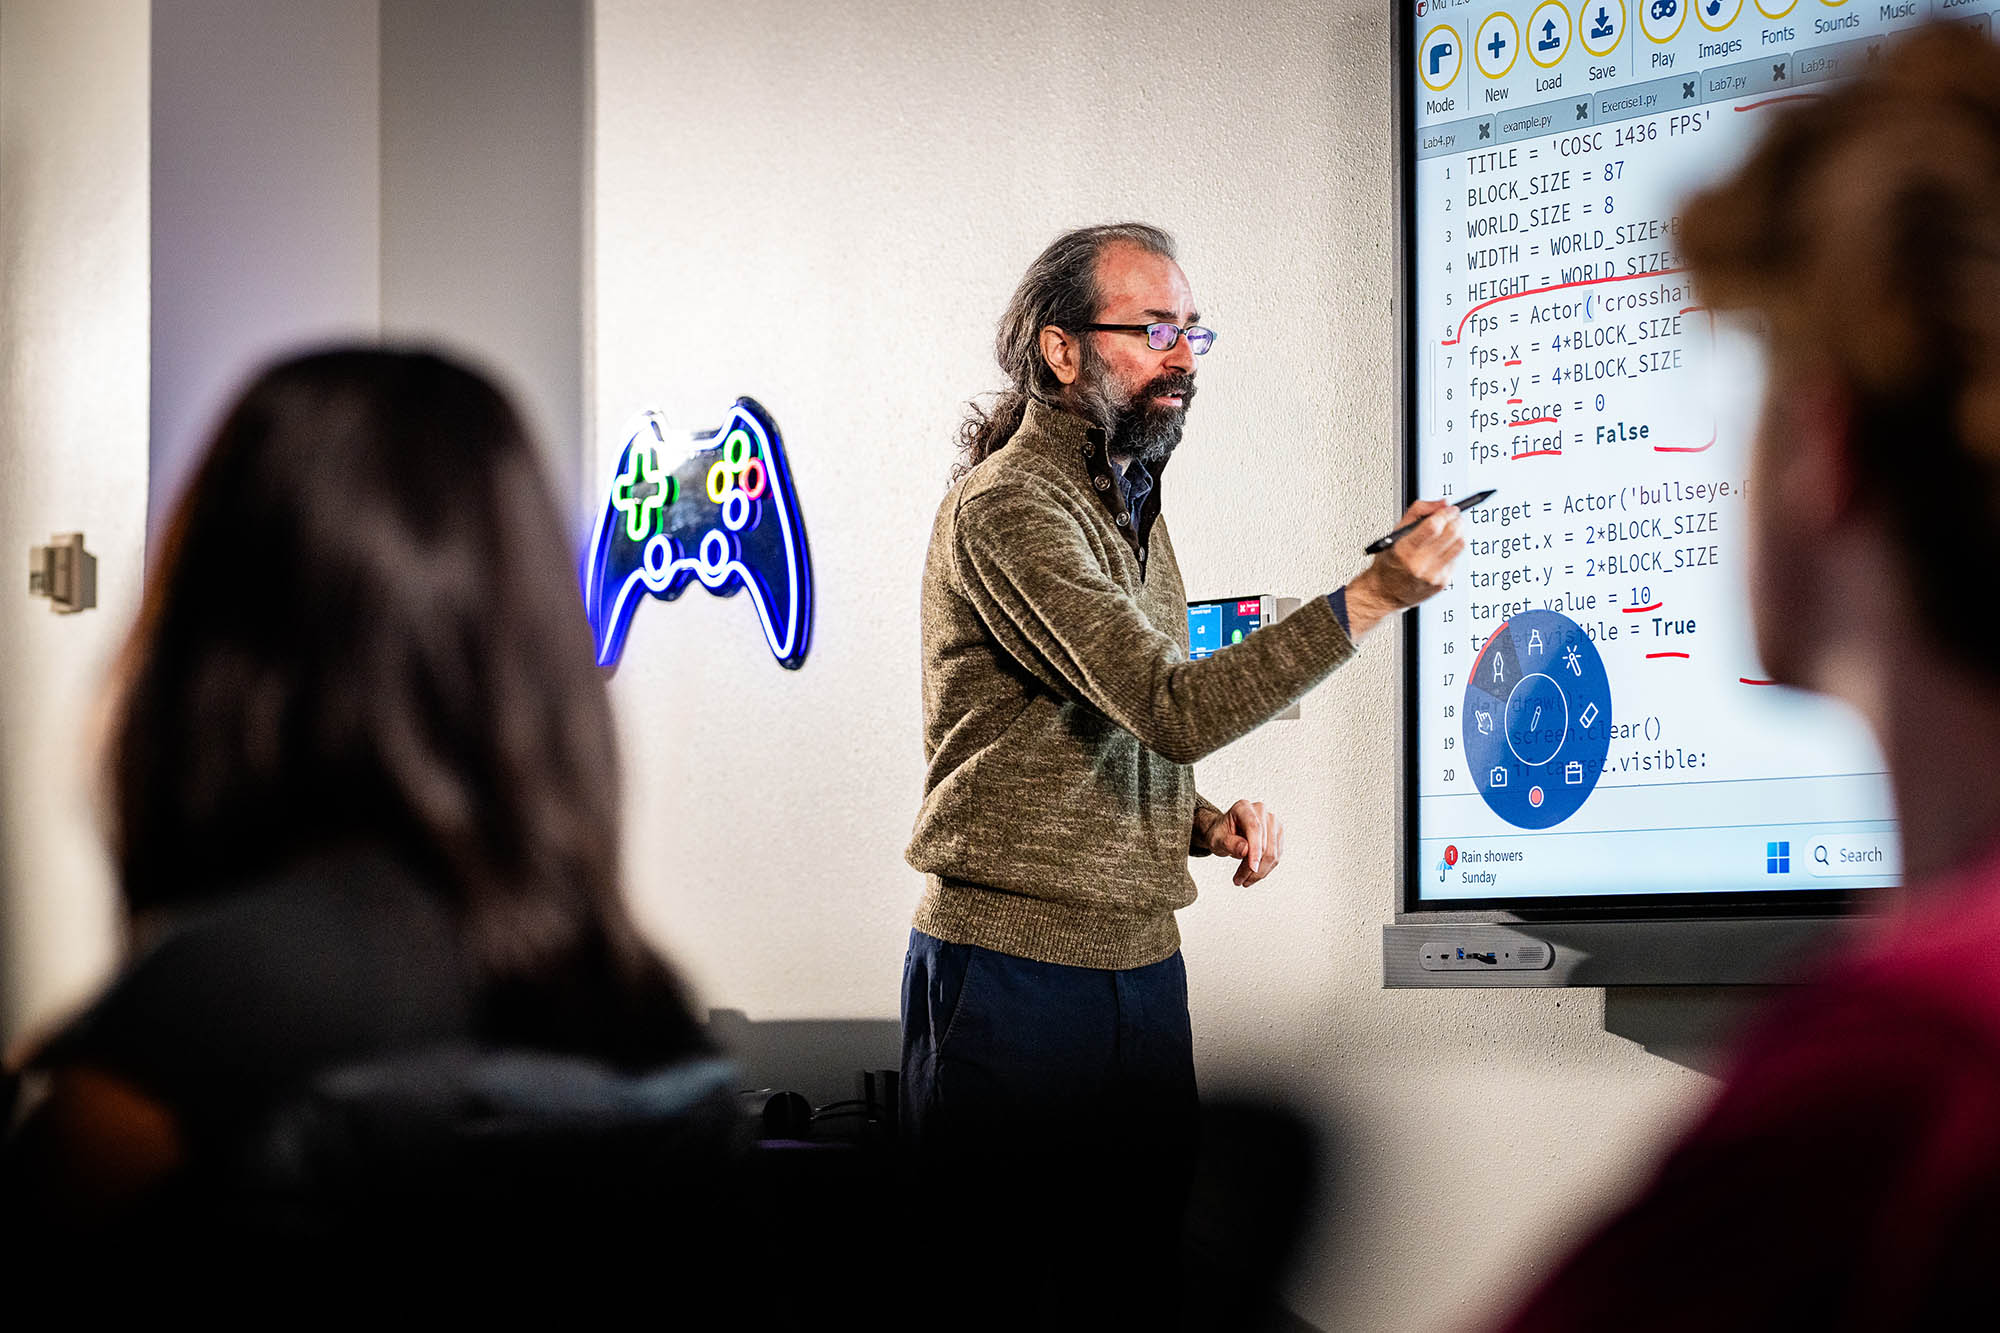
x=1587 y=720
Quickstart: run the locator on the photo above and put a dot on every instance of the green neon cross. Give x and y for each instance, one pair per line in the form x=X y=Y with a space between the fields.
x=641 y=494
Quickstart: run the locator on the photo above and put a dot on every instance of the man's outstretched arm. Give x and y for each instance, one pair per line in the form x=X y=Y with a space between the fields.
x=1026 y=565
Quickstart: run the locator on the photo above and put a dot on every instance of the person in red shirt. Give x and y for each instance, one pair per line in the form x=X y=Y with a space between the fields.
x=1848 y=1176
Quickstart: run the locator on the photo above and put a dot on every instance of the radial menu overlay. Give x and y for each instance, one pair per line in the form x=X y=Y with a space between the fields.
x=1590 y=717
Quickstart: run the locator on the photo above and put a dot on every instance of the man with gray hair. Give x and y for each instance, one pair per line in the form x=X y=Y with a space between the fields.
x=1045 y=1021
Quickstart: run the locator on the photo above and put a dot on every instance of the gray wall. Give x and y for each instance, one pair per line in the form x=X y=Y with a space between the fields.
x=266 y=201
x=483 y=194
x=338 y=169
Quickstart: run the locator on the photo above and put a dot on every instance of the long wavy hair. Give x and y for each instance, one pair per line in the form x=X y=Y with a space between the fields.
x=1059 y=288
x=363 y=631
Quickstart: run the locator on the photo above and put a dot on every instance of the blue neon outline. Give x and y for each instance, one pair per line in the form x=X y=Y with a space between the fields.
x=722 y=578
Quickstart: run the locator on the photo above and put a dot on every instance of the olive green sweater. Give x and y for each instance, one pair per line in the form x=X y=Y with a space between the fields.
x=1061 y=715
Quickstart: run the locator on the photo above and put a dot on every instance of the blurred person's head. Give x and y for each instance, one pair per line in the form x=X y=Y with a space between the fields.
x=363 y=630
x=1863 y=236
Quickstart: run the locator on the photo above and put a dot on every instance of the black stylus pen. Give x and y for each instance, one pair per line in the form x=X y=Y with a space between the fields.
x=1381 y=544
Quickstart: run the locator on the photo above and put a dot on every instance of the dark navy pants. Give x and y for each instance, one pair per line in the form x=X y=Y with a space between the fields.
x=1054 y=1117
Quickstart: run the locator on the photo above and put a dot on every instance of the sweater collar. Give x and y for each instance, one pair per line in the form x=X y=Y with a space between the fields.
x=1052 y=431
x=1077 y=443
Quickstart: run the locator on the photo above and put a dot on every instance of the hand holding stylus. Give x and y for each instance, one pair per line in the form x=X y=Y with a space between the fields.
x=1416 y=565
x=1383 y=543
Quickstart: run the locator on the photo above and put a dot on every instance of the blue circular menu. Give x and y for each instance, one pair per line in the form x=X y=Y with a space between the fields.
x=1537 y=719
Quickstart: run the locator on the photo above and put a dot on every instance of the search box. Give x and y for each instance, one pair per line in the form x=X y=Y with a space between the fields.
x=1871 y=855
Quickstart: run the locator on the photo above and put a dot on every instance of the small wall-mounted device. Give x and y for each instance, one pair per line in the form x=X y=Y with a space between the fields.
x=1217 y=623
x=64 y=573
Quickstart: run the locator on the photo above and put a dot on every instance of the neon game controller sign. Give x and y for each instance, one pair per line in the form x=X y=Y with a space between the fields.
x=716 y=508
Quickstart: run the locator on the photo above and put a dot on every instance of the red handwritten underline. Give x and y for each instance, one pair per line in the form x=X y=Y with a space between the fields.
x=1650 y=656
x=1788 y=97
x=1636 y=610
x=1686 y=448
x=1454 y=340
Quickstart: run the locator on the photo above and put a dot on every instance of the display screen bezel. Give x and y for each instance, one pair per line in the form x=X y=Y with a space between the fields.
x=1410 y=902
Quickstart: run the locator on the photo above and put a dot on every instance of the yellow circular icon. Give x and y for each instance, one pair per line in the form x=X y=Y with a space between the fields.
x=1777 y=9
x=1499 y=44
x=1438 y=58
x=1599 y=32
x=1548 y=33
x=1715 y=15
x=1833 y=4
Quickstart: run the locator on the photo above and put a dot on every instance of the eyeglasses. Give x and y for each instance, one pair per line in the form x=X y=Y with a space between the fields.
x=1161 y=337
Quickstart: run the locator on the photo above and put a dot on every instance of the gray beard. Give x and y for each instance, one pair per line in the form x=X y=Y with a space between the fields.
x=1147 y=434
x=1132 y=428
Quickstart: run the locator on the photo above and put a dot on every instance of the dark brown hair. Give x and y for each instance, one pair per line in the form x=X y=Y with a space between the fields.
x=364 y=629
x=1059 y=288
x=1865 y=231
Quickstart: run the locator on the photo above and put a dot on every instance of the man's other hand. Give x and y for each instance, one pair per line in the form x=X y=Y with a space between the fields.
x=1249 y=833
x=1415 y=568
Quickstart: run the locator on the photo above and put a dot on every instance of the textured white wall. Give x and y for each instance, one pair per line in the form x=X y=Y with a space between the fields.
x=825 y=206
x=73 y=372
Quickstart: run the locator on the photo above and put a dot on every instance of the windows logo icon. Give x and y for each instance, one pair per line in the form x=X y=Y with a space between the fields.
x=1777 y=858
